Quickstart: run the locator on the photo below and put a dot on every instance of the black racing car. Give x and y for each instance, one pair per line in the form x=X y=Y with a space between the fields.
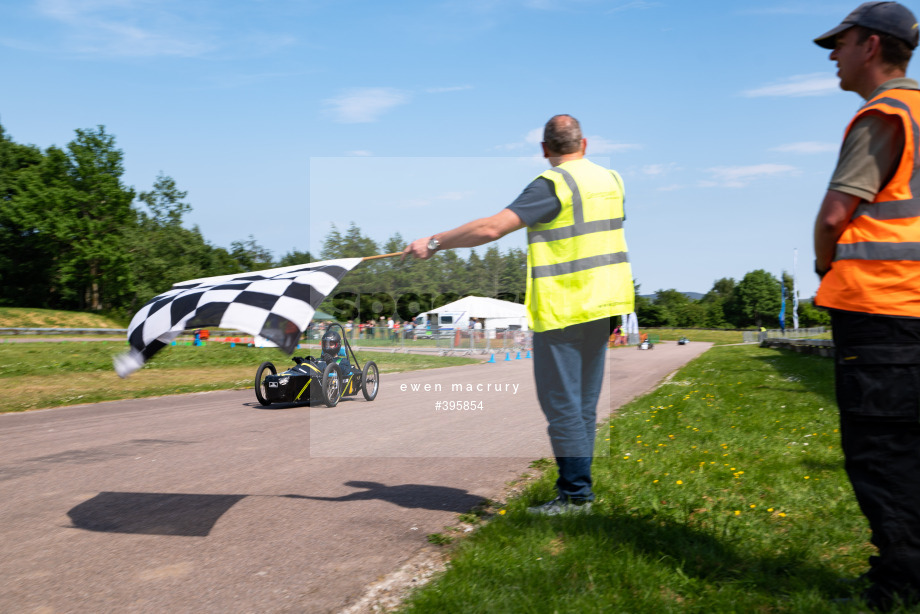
x=326 y=379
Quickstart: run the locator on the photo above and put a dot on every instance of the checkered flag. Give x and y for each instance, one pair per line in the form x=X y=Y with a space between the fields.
x=275 y=303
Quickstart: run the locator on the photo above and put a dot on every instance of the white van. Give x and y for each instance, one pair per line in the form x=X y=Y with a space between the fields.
x=428 y=325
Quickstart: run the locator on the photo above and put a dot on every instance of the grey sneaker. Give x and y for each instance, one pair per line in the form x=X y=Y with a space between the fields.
x=560 y=506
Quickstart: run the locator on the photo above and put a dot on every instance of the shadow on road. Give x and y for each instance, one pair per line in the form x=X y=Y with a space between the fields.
x=191 y=515
x=145 y=513
x=422 y=496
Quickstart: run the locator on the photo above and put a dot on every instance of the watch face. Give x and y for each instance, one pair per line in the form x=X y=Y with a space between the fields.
x=433 y=244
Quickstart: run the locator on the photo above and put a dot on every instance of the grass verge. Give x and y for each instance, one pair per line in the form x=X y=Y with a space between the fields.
x=27 y=317
x=39 y=375
x=724 y=491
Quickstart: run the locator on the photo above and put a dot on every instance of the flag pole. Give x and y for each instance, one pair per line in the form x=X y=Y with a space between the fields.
x=383 y=256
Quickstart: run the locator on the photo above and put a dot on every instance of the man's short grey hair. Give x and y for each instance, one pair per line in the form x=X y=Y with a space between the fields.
x=562 y=134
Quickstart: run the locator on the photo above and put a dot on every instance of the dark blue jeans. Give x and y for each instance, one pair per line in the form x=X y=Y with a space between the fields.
x=878 y=392
x=568 y=367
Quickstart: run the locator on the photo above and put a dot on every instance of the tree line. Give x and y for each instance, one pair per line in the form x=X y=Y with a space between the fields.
x=756 y=301
x=73 y=236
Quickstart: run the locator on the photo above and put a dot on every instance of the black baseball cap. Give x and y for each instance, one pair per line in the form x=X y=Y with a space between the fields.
x=888 y=17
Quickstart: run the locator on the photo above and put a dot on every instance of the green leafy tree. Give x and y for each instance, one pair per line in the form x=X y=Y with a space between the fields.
x=514 y=276
x=162 y=251
x=812 y=316
x=758 y=298
x=295 y=257
x=26 y=258
x=647 y=312
x=85 y=213
x=250 y=255
x=720 y=304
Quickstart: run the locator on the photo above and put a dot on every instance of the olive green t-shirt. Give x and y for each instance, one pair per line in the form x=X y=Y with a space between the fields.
x=871 y=151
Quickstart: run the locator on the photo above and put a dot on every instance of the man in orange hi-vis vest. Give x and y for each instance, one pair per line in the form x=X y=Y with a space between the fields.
x=867 y=251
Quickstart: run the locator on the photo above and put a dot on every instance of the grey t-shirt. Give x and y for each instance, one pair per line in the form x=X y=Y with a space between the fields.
x=538 y=203
x=871 y=151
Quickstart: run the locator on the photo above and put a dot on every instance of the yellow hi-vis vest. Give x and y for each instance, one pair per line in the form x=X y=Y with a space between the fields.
x=577 y=265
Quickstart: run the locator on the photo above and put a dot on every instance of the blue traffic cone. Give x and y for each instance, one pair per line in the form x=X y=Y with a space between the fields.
x=233 y=345
x=507 y=356
x=528 y=354
x=491 y=358
x=518 y=357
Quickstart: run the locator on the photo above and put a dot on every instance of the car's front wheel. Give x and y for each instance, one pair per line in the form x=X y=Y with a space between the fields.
x=266 y=368
x=332 y=387
x=370 y=380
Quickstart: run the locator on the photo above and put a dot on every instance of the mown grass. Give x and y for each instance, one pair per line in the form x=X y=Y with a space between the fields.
x=51 y=374
x=724 y=491
x=27 y=317
x=718 y=337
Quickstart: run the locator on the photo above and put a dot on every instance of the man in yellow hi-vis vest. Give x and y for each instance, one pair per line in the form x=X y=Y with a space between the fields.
x=578 y=278
x=867 y=251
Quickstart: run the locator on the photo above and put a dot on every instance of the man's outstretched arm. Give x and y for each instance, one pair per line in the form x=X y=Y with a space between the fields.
x=472 y=234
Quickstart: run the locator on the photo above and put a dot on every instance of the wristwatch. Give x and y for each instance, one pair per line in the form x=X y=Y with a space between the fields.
x=433 y=244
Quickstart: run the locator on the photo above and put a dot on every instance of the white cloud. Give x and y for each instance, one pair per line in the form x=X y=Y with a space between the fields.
x=815 y=84
x=740 y=176
x=600 y=145
x=365 y=105
x=535 y=136
x=806 y=147
x=359 y=152
x=530 y=143
x=658 y=169
x=136 y=28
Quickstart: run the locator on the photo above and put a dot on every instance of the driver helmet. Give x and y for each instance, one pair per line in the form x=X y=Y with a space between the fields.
x=332 y=343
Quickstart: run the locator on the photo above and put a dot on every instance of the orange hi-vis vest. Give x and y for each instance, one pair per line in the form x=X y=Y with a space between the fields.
x=876 y=267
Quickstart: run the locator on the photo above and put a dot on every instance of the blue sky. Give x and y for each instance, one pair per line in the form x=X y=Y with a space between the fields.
x=282 y=117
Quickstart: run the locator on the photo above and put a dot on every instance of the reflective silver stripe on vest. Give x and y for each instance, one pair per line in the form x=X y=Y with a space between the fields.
x=891 y=210
x=878 y=251
x=575 y=266
x=896 y=209
x=579 y=227
x=567 y=232
x=578 y=212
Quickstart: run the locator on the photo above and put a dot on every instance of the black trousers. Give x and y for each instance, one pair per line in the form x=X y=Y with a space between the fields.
x=878 y=393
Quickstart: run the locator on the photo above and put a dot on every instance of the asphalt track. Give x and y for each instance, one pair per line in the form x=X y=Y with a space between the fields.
x=209 y=503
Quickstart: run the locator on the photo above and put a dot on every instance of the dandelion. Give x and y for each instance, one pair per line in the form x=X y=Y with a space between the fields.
x=783 y=514
x=806 y=477
x=753 y=506
x=737 y=512
x=680 y=481
x=770 y=509
x=501 y=512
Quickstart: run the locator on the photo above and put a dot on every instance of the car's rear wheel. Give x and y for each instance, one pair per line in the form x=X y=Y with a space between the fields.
x=266 y=368
x=332 y=387
x=370 y=380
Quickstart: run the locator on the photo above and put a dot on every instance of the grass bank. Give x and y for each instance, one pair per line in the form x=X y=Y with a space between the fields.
x=25 y=317
x=38 y=375
x=723 y=491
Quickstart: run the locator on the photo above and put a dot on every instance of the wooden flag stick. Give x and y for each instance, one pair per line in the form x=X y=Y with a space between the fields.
x=383 y=256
